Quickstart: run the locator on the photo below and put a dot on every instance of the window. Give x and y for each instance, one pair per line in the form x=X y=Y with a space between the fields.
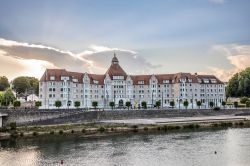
x=52 y=78
x=95 y=82
x=140 y=82
x=118 y=77
x=165 y=81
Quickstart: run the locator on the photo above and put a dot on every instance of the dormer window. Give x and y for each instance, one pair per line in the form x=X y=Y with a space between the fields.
x=140 y=82
x=118 y=77
x=52 y=78
x=189 y=80
x=199 y=80
x=213 y=81
x=75 y=80
x=95 y=82
x=206 y=80
x=165 y=81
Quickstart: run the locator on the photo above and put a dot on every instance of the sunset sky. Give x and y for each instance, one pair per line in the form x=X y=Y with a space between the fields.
x=148 y=36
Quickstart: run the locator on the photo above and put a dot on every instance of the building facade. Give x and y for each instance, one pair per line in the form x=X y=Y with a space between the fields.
x=119 y=87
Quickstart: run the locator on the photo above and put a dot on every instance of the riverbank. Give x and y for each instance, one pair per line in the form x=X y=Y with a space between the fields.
x=134 y=125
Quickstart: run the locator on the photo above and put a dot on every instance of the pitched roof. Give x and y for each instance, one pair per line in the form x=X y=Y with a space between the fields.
x=116 y=70
x=162 y=77
x=54 y=72
x=98 y=77
x=137 y=78
x=209 y=77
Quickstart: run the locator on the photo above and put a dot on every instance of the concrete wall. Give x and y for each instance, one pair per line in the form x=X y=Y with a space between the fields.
x=23 y=117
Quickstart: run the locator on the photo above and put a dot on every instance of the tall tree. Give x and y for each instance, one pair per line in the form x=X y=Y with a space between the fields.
x=26 y=85
x=4 y=83
x=8 y=97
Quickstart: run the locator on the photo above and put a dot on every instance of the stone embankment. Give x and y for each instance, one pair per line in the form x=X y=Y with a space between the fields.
x=60 y=116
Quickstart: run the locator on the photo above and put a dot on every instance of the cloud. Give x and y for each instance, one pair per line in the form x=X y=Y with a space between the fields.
x=32 y=59
x=237 y=55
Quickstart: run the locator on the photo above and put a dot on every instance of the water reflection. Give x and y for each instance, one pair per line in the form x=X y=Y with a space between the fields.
x=180 y=148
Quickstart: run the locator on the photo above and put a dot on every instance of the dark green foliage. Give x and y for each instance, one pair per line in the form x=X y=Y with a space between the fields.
x=236 y=104
x=38 y=104
x=61 y=132
x=248 y=104
x=4 y=83
x=243 y=100
x=72 y=131
x=144 y=104
x=223 y=103
x=35 y=133
x=101 y=129
x=185 y=103
x=16 y=103
x=77 y=104
x=13 y=125
x=172 y=104
x=58 y=103
x=239 y=84
x=128 y=104
x=83 y=130
x=211 y=104
x=112 y=104
x=198 y=103
x=158 y=104
x=52 y=132
x=94 y=104
x=21 y=134
x=145 y=128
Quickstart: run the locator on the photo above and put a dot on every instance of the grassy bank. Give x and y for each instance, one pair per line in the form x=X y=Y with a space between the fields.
x=93 y=129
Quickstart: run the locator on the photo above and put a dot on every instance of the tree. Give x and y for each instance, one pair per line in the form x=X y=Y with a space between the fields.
x=185 y=103
x=248 y=104
x=239 y=84
x=77 y=104
x=172 y=103
x=38 y=104
x=4 y=83
x=58 y=103
x=158 y=104
x=128 y=104
x=243 y=100
x=223 y=103
x=26 y=85
x=16 y=103
x=1 y=98
x=236 y=104
x=112 y=104
x=198 y=103
x=94 y=104
x=211 y=104
x=8 y=97
x=144 y=104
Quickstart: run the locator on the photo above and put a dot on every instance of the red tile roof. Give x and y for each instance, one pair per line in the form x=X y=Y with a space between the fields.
x=137 y=78
x=116 y=70
x=98 y=77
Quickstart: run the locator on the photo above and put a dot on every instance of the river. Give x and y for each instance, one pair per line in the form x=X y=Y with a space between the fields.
x=229 y=147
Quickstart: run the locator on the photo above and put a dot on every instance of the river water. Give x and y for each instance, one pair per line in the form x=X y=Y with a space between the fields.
x=232 y=148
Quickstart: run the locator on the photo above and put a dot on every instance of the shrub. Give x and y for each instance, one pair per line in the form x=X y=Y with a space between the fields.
x=134 y=126
x=35 y=133
x=145 y=128
x=58 y=104
x=60 y=132
x=52 y=132
x=21 y=134
x=172 y=103
x=223 y=103
x=128 y=104
x=13 y=125
x=144 y=104
x=211 y=104
x=185 y=103
x=198 y=103
x=248 y=104
x=158 y=104
x=77 y=104
x=158 y=128
x=101 y=129
x=38 y=104
x=72 y=131
x=94 y=104
x=112 y=129
x=16 y=103
x=112 y=104
x=14 y=134
x=241 y=123
x=243 y=100
x=236 y=104
x=83 y=130
x=216 y=108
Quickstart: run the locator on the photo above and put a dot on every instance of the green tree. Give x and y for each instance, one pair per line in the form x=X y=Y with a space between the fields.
x=236 y=104
x=26 y=85
x=198 y=103
x=158 y=104
x=58 y=103
x=223 y=103
x=38 y=104
x=185 y=103
x=77 y=104
x=144 y=104
x=112 y=104
x=16 y=103
x=8 y=97
x=1 y=97
x=243 y=100
x=94 y=104
x=128 y=104
x=211 y=104
x=172 y=104
x=4 y=83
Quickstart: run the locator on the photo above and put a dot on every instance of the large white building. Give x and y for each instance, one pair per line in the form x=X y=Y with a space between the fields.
x=118 y=86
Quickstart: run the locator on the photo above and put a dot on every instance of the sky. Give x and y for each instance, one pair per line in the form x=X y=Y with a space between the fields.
x=148 y=36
